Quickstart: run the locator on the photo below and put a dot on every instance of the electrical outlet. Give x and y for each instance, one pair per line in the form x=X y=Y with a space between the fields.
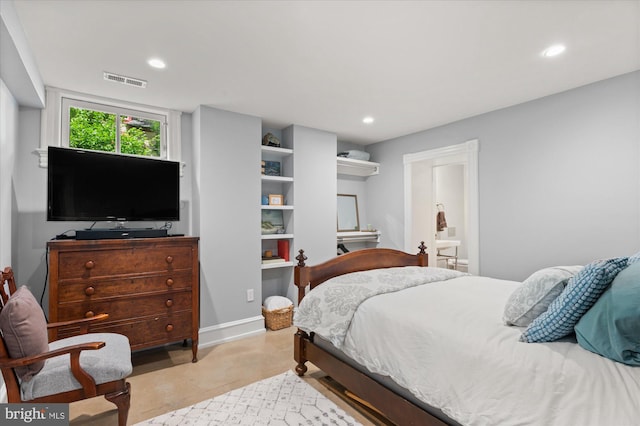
x=250 y=295
x=451 y=231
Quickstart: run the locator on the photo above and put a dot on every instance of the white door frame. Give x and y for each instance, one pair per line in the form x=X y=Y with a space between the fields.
x=469 y=150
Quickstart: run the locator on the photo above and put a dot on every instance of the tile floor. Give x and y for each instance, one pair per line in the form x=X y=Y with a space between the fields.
x=165 y=379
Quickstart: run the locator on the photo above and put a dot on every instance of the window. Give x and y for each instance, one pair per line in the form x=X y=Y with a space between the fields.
x=73 y=119
x=100 y=127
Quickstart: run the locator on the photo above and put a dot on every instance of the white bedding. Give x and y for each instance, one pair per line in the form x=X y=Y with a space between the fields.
x=446 y=343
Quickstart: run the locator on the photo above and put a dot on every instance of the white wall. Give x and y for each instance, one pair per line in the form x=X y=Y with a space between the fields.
x=559 y=179
x=8 y=147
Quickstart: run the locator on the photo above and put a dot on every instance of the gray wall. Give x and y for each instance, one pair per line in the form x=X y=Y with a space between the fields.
x=558 y=178
x=228 y=183
x=314 y=157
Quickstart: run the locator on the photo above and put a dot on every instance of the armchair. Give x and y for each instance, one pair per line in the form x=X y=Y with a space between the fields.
x=70 y=369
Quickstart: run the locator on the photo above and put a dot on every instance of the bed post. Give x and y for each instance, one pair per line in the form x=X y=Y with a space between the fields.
x=301 y=275
x=301 y=280
x=299 y=351
x=423 y=257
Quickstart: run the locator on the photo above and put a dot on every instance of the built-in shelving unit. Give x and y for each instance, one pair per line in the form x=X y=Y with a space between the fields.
x=281 y=184
x=350 y=166
x=347 y=167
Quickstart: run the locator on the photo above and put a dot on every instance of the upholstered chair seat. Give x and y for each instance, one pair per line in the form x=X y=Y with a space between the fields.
x=112 y=362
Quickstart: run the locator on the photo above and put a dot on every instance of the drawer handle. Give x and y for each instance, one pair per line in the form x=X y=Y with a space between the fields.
x=169 y=282
x=89 y=291
x=169 y=327
x=169 y=259
x=90 y=264
x=88 y=314
x=169 y=303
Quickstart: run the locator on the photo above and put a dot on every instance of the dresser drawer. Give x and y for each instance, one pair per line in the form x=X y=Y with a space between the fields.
x=78 y=290
x=148 y=286
x=110 y=262
x=127 y=307
x=144 y=332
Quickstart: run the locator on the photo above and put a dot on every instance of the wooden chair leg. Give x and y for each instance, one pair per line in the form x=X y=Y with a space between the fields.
x=122 y=399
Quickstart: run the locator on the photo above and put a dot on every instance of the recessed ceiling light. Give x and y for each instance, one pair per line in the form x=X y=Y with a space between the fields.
x=156 y=63
x=367 y=120
x=554 y=50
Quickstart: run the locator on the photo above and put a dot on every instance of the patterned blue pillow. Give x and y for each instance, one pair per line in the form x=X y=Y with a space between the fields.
x=633 y=259
x=582 y=291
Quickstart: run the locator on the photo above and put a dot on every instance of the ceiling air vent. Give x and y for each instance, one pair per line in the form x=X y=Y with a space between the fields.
x=129 y=81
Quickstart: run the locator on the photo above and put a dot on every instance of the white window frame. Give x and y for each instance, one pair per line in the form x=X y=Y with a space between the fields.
x=54 y=131
x=68 y=103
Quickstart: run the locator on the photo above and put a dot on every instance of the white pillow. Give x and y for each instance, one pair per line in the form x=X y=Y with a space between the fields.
x=536 y=293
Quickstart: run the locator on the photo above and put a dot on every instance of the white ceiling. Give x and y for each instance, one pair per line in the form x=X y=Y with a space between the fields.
x=412 y=65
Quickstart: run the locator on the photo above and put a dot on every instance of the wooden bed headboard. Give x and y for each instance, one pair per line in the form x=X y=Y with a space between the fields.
x=360 y=260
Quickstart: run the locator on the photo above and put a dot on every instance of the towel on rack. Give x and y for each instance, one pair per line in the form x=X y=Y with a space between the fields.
x=441 y=221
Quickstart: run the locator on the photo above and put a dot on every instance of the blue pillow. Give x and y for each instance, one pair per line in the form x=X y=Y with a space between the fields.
x=611 y=327
x=634 y=258
x=581 y=292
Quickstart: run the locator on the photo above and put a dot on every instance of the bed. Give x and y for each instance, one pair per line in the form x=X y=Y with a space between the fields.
x=431 y=348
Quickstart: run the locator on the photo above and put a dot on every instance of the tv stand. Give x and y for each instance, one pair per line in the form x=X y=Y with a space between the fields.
x=119 y=233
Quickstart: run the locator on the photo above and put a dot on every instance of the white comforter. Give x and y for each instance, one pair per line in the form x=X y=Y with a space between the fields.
x=328 y=310
x=445 y=342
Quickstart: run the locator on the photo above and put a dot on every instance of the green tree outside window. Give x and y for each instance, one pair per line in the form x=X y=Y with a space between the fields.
x=96 y=130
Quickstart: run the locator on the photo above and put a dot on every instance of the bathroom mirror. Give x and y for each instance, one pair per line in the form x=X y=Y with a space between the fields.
x=348 y=213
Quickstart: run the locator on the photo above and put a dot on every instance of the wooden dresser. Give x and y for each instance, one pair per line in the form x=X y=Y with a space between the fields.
x=148 y=286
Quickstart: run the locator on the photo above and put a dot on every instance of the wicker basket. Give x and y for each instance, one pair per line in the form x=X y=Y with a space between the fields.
x=278 y=318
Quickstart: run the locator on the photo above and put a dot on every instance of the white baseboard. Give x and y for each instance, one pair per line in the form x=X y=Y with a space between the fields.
x=229 y=331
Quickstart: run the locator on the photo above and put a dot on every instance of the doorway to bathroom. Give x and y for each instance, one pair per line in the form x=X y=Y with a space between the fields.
x=441 y=205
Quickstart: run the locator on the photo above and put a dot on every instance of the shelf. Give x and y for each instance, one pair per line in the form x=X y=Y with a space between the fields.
x=268 y=207
x=349 y=166
x=277 y=178
x=355 y=236
x=277 y=236
x=276 y=152
x=277 y=265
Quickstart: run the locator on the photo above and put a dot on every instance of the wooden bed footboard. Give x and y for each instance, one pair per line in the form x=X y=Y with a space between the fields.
x=395 y=407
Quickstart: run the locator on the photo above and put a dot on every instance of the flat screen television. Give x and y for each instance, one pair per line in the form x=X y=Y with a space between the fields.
x=100 y=186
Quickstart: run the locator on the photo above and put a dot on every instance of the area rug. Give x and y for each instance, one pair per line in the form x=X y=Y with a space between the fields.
x=280 y=400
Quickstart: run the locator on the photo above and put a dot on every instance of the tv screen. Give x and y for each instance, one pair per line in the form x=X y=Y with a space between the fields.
x=100 y=186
